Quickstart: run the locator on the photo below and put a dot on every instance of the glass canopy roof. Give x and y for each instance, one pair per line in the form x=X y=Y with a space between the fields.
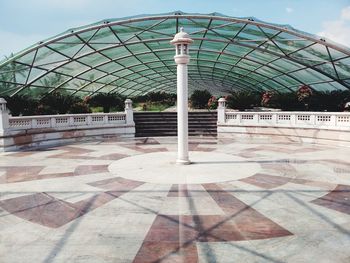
x=132 y=56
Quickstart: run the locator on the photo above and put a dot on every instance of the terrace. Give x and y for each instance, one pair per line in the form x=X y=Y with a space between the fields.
x=266 y=187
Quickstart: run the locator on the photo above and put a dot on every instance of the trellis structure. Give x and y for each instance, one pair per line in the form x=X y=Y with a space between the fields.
x=132 y=56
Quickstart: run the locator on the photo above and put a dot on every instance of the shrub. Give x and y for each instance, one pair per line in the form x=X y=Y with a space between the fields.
x=199 y=99
x=328 y=101
x=159 y=96
x=79 y=107
x=288 y=102
x=21 y=105
x=56 y=103
x=243 y=100
x=107 y=101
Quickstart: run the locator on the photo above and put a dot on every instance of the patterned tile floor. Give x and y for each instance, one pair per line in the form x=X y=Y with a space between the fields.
x=126 y=201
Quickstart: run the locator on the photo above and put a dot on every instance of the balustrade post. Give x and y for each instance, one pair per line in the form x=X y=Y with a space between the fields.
x=4 y=117
x=129 y=114
x=222 y=111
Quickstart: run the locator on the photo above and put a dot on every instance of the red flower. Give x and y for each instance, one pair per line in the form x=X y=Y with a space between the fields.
x=304 y=92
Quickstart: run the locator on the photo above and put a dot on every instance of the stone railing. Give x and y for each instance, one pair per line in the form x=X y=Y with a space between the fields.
x=66 y=121
x=314 y=127
x=318 y=120
x=28 y=131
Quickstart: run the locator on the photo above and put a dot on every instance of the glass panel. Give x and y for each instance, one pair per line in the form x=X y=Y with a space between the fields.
x=72 y=68
x=45 y=56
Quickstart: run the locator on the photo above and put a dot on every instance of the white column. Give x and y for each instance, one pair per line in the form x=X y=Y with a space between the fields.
x=4 y=117
x=129 y=114
x=182 y=115
x=222 y=111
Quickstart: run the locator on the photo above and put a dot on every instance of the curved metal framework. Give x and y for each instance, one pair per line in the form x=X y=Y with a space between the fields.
x=132 y=56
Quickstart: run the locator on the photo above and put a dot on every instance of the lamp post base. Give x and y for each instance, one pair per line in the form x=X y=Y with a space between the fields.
x=183 y=162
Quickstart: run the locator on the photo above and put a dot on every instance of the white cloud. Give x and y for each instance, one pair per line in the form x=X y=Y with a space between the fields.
x=289 y=10
x=338 y=30
x=345 y=13
x=15 y=42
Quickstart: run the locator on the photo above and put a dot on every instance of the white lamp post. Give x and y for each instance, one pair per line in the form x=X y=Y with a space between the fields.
x=182 y=41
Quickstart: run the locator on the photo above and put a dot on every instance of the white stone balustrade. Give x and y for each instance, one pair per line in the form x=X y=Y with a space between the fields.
x=32 y=131
x=316 y=120
x=66 y=121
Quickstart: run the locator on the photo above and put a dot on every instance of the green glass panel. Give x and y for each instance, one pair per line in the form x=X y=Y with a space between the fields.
x=213 y=45
x=84 y=51
x=261 y=56
x=72 y=68
x=27 y=58
x=52 y=80
x=118 y=52
x=248 y=64
x=107 y=79
x=237 y=50
x=228 y=59
x=223 y=66
x=129 y=61
x=110 y=67
x=46 y=56
x=268 y=72
x=156 y=64
x=343 y=68
x=285 y=65
x=68 y=50
x=104 y=35
x=335 y=54
x=309 y=76
x=327 y=68
x=70 y=40
x=147 y=57
x=35 y=73
x=93 y=87
x=92 y=74
x=287 y=81
x=93 y=60
x=87 y=35
x=17 y=74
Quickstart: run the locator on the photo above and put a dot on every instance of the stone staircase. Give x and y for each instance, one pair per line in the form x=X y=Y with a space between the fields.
x=200 y=123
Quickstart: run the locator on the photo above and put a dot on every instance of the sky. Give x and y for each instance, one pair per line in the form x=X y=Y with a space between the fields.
x=26 y=22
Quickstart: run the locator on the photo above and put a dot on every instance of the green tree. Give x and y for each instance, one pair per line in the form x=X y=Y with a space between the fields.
x=243 y=100
x=107 y=101
x=199 y=99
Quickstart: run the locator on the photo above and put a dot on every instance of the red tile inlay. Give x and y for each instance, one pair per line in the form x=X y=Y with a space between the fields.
x=20 y=173
x=172 y=238
x=338 y=199
x=266 y=181
x=28 y=173
x=43 y=209
x=250 y=223
x=113 y=156
x=78 y=153
x=90 y=169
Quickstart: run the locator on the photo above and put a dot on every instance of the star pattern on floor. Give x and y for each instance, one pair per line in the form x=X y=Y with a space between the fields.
x=56 y=188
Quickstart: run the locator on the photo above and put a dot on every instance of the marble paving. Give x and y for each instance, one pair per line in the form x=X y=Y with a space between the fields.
x=126 y=200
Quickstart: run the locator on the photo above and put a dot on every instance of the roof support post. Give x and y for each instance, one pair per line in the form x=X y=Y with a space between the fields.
x=181 y=42
x=4 y=117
